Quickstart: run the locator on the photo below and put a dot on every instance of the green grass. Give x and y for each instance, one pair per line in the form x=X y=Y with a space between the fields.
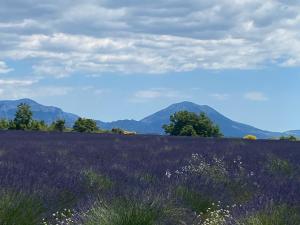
x=124 y=213
x=193 y=200
x=280 y=215
x=275 y=165
x=97 y=181
x=19 y=209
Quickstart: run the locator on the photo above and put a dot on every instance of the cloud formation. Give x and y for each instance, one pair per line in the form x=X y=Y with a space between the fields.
x=131 y=36
x=4 y=68
x=256 y=96
x=156 y=93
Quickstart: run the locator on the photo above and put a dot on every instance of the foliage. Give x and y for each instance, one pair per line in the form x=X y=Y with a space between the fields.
x=277 y=165
x=194 y=200
x=59 y=125
x=186 y=123
x=289 y=138
x=85 y=125
x=97 y=181
x=38 y=126
x=124 y=213
x=117 y=131
x=277 y=215
x=23 y=117
x=19 y=209
x=4 y=124
x=250 y=137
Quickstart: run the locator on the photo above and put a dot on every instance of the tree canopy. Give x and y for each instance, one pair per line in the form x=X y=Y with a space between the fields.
x=85 y=125
x=186 y=123
x=59 y=125
x=23 y=117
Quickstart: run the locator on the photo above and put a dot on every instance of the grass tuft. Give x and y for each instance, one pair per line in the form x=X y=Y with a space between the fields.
x=19 y=209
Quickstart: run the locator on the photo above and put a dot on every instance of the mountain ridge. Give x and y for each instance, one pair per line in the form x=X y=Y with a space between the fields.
x=151 y=124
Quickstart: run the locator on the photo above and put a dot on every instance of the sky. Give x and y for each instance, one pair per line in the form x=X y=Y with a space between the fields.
x=126 y=59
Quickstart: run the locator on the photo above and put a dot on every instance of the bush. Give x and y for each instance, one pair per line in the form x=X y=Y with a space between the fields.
x=4 y=124
x=59 y=125
x=186 y=123
x=250 y=137
x=38 y=126
x=85 y=125
x=289 y=138
x=117 y=131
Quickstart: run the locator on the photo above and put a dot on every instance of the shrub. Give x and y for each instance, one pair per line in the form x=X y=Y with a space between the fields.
x=59 y=125
x=289 y=138
x=250 y=137
x=4 y=124
x=85 y=125
x=38 y=126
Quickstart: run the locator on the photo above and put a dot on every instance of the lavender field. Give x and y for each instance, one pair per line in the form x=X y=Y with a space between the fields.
x=104 y=179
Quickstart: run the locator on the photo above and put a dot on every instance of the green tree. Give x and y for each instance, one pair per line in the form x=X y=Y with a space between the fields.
x=23 y=118
x=85 y=125
x=59 y=125
x=289 y=138
x=186 y=123
x=4 y=124
x=38 y=125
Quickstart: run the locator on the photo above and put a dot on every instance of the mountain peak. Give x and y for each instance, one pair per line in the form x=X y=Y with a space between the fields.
x=27 y=101
x=188 y=104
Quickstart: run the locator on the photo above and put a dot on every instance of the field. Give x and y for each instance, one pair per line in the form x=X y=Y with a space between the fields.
x=102 y=179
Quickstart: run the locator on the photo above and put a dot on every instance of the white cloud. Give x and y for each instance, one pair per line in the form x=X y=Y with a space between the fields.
x=17 y=83
x=149 y=36
x=220 y=96
x=156 y=93
x=256 y=96
x=4 y=68
x=9 y=92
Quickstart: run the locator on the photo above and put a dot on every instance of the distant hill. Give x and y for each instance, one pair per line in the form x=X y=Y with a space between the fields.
x=152 y=124
x=292 y=132
x=40 y=112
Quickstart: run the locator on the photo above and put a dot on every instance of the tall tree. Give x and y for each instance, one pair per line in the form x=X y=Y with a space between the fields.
x=186 y=123
x=23 y=117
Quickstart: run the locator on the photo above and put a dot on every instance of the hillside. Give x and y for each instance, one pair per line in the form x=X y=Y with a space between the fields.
x=40 y=112
x=151 y=124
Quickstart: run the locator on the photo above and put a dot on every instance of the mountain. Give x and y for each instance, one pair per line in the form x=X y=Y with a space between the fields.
x=40 y=112
x=151 y=124
x=295 y=133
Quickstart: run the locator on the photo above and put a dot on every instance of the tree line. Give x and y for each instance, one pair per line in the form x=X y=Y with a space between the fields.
x=24 y=121
x=182 y=123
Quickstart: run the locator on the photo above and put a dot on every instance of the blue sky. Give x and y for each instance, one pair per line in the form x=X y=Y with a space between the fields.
x=112 y=60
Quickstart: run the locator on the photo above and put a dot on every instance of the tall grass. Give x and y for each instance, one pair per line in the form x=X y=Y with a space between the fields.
x=19 y=209
x=124 y=213
x=279 y=215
